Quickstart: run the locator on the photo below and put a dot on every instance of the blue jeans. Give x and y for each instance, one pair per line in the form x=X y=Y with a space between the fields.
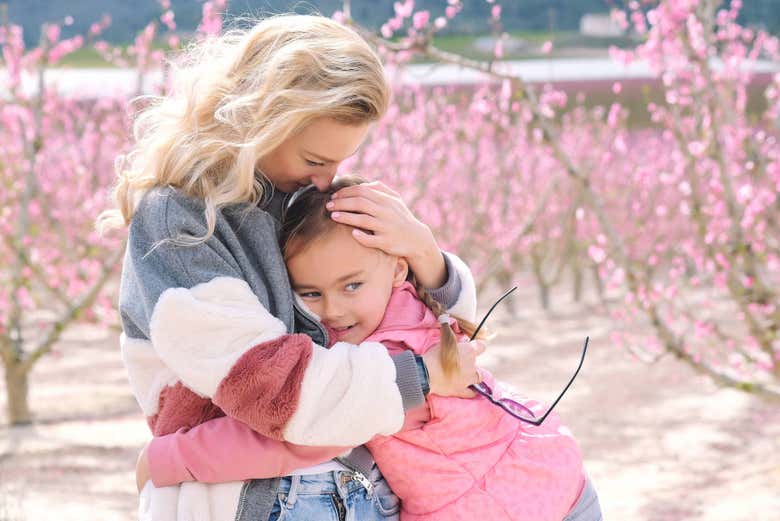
x=334 y=496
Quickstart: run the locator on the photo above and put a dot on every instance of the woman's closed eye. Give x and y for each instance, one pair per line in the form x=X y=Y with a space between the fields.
x=313 y=163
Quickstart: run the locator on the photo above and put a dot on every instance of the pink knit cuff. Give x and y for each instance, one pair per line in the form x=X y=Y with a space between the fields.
x=165 y=465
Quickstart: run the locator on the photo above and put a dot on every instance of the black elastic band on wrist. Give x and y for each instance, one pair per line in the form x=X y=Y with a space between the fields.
x=422 y=372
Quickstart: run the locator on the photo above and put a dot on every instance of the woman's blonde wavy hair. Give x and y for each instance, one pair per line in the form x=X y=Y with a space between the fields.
x=235 y=99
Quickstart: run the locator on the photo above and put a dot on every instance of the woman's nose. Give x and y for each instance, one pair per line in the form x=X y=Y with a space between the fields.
x=323 y=181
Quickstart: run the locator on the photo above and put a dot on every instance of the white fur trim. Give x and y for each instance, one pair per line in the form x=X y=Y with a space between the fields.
x=223 y=500
x=148 y=374
x=348 y=395
x=158 y=504
x=190 y=501
x=466 y=305
x=201 y=332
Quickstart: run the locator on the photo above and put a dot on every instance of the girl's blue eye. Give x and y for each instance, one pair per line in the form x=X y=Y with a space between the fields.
x=353 y=286
x=309 y=294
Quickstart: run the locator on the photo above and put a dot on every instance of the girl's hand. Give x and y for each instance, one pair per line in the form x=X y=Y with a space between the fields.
x=377 y=208
x=458 y=383
x=142 y=474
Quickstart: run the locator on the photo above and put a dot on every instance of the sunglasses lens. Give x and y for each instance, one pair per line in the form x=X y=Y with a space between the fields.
x=517 y=408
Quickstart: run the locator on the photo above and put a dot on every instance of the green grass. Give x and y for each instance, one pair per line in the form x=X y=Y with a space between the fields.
x=88 y=57
x=566 y=43
x=84 y=58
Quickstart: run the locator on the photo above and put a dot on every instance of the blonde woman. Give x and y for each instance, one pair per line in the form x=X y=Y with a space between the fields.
x=210 y=324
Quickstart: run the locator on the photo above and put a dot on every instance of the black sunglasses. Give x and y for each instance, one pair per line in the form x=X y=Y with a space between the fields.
x=513 y=407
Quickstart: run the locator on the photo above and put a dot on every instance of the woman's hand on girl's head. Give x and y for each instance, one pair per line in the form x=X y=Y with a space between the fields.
x=394 y=229
x=458 y=383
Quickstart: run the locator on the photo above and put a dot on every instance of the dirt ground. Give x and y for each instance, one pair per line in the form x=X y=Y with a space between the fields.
x=660 y=443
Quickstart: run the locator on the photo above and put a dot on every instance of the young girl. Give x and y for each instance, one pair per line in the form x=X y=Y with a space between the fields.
x=456 y=458
x=207 y=311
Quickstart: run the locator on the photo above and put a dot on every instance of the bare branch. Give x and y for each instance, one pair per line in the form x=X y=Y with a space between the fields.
x=73 y=311
x=36 y=269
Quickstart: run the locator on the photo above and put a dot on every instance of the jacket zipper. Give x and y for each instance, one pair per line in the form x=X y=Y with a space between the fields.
x=313 y=321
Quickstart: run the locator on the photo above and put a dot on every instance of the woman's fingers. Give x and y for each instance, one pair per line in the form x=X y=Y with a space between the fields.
x=374 y=191
x=478 y=347
x=381 y=187
x=358 y=220
x=456 y=384
x=368 y=240
x=354 y=205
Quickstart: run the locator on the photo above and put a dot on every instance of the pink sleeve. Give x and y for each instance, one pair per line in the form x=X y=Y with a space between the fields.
x=224 y=449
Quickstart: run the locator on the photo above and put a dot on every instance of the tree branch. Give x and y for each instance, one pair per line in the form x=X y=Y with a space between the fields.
x=73 y=311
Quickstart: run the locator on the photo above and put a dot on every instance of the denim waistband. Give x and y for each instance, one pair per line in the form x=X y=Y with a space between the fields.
x=339 y=482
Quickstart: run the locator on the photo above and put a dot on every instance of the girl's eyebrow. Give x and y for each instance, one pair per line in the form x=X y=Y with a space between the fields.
x=306 y=285
x=350 y=276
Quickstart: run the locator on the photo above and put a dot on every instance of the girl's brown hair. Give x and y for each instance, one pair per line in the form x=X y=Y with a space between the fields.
x=306 y=220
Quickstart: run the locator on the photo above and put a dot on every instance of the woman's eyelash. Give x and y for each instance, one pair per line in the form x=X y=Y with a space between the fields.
x=314 y=163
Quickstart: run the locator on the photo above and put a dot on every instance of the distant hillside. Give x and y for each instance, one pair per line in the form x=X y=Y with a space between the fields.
x=130 y=16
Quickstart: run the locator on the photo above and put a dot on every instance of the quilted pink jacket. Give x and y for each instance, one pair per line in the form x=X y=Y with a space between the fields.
x=472 y=460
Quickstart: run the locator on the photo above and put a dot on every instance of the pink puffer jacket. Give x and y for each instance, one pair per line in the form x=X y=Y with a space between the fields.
x=472 y=460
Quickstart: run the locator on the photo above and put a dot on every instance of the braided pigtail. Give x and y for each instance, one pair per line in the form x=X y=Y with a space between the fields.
x=449 y=342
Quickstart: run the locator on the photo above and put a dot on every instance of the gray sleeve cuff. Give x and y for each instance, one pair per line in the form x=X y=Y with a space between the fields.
x=448 y=294
x=408 y=380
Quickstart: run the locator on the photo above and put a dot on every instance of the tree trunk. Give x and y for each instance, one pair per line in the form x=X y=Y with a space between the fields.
x=504 y=279
x=544 y=295
x=16 y=381
x=578 y=280
x=598 y=282
x=544 y=286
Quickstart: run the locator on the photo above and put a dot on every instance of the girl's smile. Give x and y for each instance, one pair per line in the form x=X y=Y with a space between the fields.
x=345 y=284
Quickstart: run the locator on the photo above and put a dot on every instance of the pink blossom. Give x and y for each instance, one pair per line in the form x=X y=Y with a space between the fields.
x=168 y=19
x=697 y=148
x=52 y=33
x=405 y=9
x=597 y=254
x=420 y=19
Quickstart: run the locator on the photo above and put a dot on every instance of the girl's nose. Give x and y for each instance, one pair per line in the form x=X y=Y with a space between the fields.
x=332 y=309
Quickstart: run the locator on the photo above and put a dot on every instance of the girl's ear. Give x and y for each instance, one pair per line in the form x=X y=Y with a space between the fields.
x=401 y=271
